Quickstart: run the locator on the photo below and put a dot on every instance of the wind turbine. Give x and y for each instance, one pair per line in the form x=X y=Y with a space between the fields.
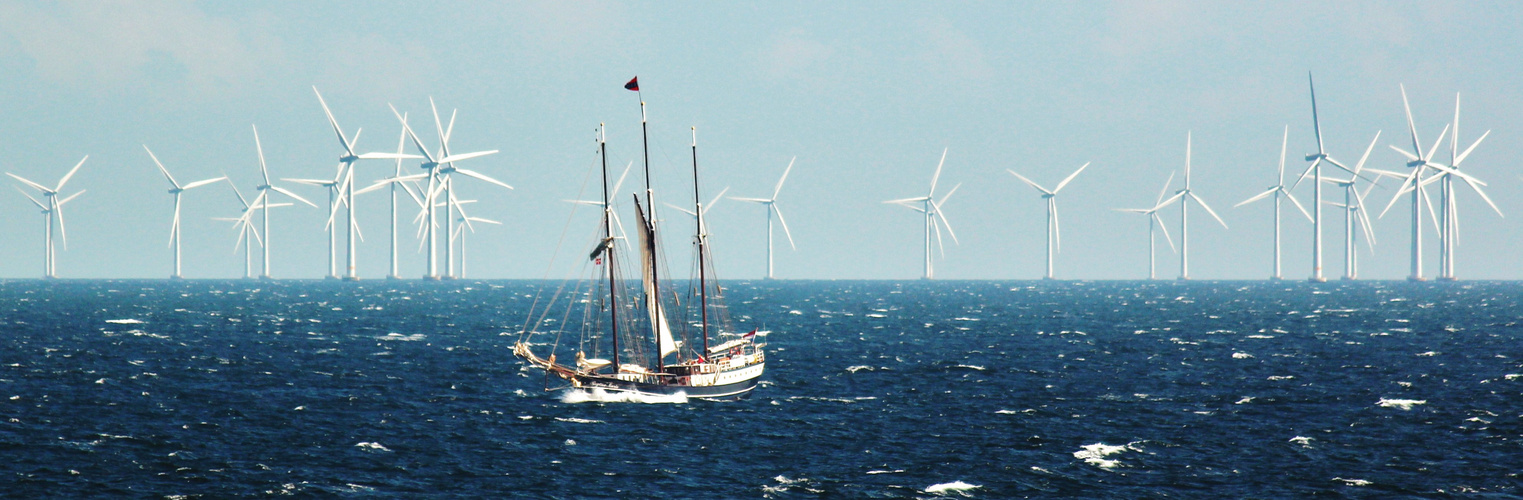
x=771 y=204
x=1419 y=162
x=1449 y=233
x=1054 y=239
x=175 y=189
x=333 y=202
x=1184 y=215
x=1315 y=169
x=437 y=168
x=264 y=195
x=1354 y=211
x=934 y=220
x=463 y=223
x=244 y=224
x=346 y=173
x=53 y=207
x=1155 y=221
x=1278 y=190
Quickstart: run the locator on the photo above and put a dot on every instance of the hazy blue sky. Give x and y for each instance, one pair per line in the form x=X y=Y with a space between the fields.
x=866 y=95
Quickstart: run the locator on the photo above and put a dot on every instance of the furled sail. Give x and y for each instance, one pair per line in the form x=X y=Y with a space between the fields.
x=648 y=278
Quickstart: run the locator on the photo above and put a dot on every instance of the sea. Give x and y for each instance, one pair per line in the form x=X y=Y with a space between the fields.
x=873 y=389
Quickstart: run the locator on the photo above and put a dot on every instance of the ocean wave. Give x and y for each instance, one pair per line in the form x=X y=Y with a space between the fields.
x=1403 y=404
x=128 y=321
x=371 y=446
x=952 y=487
x=1094 y=454
x=575 y=420
x=574 y=396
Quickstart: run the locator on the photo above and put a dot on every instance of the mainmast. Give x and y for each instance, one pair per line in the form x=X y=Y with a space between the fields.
x=703 y=289
x=613 y=298
x=650 y=212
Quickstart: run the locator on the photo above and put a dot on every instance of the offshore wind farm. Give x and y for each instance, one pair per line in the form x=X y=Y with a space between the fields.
x=980 y=112
x=545 y=287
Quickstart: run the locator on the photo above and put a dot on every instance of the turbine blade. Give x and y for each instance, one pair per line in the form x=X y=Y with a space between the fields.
x=786 y=232
x=1436 y=143
x=762 y=201
x=39 y=187
x=1309 y=168
x=1165 y=189
x=1069 y=178
x=1203 y=204
x=161 y=167
x=1165 y=229
x=779 y=187
x=66 y=177
x=1297 y=204
x=1410 y=180
x=343 y=141
x=412 y=135
x=1360 y=166
x=1030 y=183
x=264 y=171
x=204 y=182
x=39 y=204
x=937 y=175
x=1466 y=154
x=288 y=192
x=465 y=156
x=1257 y=197
x=1411 y=127
x=944 y=222
x=1478 y=191
x=479 y=175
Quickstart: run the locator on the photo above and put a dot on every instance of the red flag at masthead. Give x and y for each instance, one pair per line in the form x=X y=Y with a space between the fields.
x=634 y=84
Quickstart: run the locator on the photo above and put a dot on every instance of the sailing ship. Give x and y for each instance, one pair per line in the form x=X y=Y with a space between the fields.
x=631 y=324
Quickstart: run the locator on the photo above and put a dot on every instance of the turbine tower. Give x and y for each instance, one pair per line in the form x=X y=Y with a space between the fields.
x=1414 y=182
x=264 y=196
x=772 y=209
x=437 y=168
x=244 y=224
x=1154 y=221
x=53 y=208
x=1184 y=215
x=934 y=220
x=1278 y=190
x=346 y=173
x=175 y=189
x=1449 y=232
x=1315 y=170
x=1054 y=238
x=333 y=202
x=1354 y=211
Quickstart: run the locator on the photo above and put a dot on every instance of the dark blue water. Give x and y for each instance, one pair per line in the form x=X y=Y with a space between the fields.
x=873 y=389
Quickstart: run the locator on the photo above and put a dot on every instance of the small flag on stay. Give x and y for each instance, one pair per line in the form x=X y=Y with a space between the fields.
x=634 y=84
x=750 y=335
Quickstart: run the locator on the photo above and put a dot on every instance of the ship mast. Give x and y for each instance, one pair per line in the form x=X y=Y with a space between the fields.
x=703 y=289
x=650 y=212
x=613 y=298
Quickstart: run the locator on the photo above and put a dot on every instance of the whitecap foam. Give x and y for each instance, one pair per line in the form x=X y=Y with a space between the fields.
x=1428 y=354
x=895 y=471
x=128 y=321
x=404 y=338
x=1281 y=377
x=857 y=368
x=1094 y=454
x=1404 y=404
x=366 y=445
x=603 y=396
x=1241 y=355
x=575 y=420
x=952 y=487
x=1353 y=482
x=1302 y=440
x=1245 y=400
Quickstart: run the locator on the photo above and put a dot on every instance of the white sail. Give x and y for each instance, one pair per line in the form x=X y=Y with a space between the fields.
x=648 y=279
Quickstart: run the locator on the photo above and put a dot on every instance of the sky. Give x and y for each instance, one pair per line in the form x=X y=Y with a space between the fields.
x=865 y=95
